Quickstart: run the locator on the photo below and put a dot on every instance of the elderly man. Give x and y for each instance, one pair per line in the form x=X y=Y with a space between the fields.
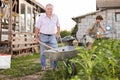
x=47 y=27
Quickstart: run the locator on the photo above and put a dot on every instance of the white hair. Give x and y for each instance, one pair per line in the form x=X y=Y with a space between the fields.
x=49 y=5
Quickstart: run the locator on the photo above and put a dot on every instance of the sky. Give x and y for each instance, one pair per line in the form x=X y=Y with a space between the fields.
x=67 y=9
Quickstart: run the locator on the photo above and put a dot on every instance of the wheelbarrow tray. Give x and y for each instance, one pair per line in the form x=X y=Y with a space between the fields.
x=61 y=53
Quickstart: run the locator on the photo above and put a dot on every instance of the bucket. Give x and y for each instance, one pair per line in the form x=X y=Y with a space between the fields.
x=5 y=61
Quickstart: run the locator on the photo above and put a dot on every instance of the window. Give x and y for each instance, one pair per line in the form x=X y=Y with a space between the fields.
x=26 y=18
x=22 y=18
x=117 y=16
x=29 y=20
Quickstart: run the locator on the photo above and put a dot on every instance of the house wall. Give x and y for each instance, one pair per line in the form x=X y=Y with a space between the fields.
x=107 y=3
x=109 y=20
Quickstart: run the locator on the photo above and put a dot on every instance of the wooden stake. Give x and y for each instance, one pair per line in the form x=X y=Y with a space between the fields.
x=0 y=25
x=10 y=28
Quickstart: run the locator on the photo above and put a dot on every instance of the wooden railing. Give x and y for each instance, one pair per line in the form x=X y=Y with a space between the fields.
x=23 y=41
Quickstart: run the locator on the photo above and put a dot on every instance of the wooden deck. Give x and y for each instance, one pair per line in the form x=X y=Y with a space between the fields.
x=19 y=34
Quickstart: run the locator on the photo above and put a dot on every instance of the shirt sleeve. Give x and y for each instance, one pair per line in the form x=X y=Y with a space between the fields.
x=38 y=23
x=91 y=27
x=100 y=25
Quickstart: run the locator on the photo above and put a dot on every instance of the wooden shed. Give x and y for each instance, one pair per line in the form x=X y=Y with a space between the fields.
x=110 y=11
x=17 y=24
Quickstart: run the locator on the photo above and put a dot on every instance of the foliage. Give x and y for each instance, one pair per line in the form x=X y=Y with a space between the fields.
x=58 y=74
x=102 y=62
x=64 y=33
x=74 y=30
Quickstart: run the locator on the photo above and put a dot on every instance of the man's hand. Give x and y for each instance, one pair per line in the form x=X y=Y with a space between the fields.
x=36 y=40
x=89 y=31
x=58 y=32
x=103 y=29
x=36 y=35
x=58 y=35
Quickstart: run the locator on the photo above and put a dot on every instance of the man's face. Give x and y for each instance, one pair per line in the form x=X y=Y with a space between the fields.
x=49 y=10
x=98 y=21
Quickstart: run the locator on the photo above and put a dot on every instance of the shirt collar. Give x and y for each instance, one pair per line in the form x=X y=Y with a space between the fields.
x=47 y=17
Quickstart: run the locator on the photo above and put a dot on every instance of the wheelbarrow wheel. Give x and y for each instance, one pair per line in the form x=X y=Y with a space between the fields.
x=71 y=68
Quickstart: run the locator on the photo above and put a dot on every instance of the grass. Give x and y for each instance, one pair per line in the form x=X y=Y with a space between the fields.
x=22 y=66
x=58 y=74
x=27 y=65
x=55 y=75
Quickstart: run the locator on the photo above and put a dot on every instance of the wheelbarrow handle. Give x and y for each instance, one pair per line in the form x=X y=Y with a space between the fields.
x=42 y=43
x=61 y=41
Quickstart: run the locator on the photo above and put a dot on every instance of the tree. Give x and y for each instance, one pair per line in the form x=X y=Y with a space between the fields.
x=74 y=30
x=65 y=33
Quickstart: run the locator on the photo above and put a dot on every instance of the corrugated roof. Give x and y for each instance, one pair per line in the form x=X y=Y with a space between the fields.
x=107 y=3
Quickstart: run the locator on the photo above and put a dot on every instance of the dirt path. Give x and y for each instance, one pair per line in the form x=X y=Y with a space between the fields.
x=36 y=76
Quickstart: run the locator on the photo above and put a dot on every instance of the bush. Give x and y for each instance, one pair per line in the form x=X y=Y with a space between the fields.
x=74 y=30
x=64 y=33
x=102 y=62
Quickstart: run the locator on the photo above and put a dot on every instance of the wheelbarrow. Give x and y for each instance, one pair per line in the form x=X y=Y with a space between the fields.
x=63 y=54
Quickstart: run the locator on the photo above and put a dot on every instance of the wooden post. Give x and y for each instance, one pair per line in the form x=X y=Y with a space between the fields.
x=10 y=28
x=0 y=24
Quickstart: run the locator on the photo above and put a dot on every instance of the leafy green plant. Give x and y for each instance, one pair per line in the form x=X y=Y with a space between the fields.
x=58 y=74
x=99 y=63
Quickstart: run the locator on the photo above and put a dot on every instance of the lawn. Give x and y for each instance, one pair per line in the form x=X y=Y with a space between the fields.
x=22 y=66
